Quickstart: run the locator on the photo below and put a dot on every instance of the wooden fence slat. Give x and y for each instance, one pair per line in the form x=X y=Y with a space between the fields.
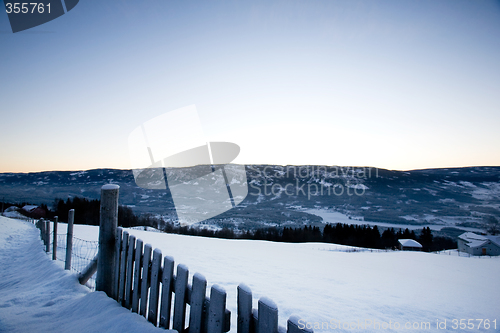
x=216 y=310
x=137 y=276
x=181 y=282
x=118 y=244
x=196 y=302
x=293 y=326
x=130 y=272
x=227 y=321
x=244 y=309
x=255 y=320
x=268 y=316
x=204 y=323
x=123 y=267
x=146 y=261
x=166 y=292
x=154 y=293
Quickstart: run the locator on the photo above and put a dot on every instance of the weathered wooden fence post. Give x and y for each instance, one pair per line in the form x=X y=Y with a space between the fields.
x=69 y=239
x=106 y=262
x=293 y=326
x=54 y=240
x=41 y=225
x=244 y=309
x=47 y=236
x=268 y=316
x=216 y=310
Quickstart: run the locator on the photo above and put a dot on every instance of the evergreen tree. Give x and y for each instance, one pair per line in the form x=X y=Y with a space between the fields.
x=426 y=238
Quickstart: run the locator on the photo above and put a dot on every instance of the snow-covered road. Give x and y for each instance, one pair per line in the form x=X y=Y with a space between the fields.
x=36 y=295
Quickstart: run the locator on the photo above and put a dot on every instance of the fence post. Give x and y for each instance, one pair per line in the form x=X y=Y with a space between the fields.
x=69 y=239
x=154 y=291
x=106 y=262
x=293 y=326
x=54 y=241
x=268 y=316
x=196 y=303
x=41 y=225
x=181 y=282
x=47 y=236
x=216 y=310
x=244 y=309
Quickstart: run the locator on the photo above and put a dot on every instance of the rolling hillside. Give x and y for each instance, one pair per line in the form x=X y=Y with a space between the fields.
x=298 y=195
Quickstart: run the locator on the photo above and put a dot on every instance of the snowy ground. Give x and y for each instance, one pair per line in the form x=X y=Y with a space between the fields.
x=449 y=221
x=36 y=295
x=315 y=281
x=319 y=283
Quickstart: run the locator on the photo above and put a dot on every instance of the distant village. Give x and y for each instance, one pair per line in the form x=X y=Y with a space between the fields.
x=470 y=243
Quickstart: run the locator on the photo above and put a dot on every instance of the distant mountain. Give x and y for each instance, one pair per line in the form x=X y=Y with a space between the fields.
x=297 y=195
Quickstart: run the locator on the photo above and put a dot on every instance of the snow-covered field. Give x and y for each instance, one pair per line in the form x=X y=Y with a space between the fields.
x=449 y=221
x=312 y=280
x=320 y=284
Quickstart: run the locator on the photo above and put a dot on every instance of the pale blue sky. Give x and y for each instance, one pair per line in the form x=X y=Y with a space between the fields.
x=391 y=84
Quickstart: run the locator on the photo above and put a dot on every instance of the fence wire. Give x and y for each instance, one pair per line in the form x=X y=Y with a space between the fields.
x=83 y=251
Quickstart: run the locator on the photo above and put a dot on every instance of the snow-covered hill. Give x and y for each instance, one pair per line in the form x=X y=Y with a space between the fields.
x=322 y=284
x=296 y=195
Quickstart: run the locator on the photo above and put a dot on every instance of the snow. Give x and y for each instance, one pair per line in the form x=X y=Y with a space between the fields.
x=319 y=283
x=475 y=240
x=314 y=281
x=469 y=236
x=14 y=214
x=11 y=209
x=110 y=187
x=38 y=296
x=494 y=239
x=29 y=208
x=409 y=243
x=334 y=217
x=359 y=187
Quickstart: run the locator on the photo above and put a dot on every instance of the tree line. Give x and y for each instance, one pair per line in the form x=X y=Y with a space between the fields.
x=344 y=234
x=87 y=212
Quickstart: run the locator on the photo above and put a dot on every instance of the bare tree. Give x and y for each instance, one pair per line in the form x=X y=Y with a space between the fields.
x=492 y=225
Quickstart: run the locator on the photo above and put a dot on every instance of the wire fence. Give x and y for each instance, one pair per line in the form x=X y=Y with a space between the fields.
x=83 y=251
x=457 y=253
x=352 y=249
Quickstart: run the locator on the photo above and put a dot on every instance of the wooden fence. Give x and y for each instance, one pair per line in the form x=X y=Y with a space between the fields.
x=152 y=290
x=146 y=287
x=44 y=226
x=144 y=282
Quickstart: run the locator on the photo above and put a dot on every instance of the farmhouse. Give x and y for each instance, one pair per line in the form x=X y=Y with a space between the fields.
x=34 y=211
x=478 y=245
x=409 y=245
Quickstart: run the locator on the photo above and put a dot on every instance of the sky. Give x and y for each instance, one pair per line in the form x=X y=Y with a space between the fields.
x=391 y=84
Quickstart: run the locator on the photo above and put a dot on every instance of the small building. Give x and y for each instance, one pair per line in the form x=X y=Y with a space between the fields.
x=409 y=245
x=479 y=245
x=34 y=211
